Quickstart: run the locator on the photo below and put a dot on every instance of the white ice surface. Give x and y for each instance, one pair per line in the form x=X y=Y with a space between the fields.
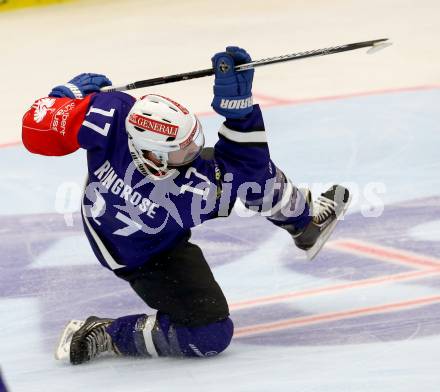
x=390 y=140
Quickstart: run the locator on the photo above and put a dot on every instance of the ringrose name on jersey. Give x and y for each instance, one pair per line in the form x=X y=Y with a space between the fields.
x=148 y=124
x=116 y=185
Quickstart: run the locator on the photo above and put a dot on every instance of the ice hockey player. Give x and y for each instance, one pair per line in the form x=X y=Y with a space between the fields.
x=149 y=182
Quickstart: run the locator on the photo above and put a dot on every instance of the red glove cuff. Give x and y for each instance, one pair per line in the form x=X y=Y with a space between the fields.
x=51 y=125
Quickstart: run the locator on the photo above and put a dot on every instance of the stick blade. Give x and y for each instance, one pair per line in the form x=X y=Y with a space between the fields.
x=378 y=46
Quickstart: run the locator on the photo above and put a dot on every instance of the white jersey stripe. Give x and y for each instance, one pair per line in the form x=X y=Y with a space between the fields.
x=243 y=137
x=105 y=253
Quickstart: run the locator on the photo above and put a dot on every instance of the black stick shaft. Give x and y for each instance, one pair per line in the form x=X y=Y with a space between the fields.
x=271 y=60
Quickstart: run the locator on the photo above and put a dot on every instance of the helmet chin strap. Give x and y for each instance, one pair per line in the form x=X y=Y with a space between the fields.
x=143 y=164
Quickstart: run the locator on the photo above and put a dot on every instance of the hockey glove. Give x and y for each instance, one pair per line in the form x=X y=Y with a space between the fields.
x=232 y=90
x=80 y=86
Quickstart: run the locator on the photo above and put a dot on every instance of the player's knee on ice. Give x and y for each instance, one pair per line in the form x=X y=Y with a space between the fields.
x=205 y=341
x=151 y=336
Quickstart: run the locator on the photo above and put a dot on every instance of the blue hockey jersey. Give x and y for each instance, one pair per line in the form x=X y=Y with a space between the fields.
x=129 y=217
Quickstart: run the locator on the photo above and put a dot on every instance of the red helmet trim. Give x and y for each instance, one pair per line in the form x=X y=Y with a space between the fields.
x=190 y=137
x=183 y=109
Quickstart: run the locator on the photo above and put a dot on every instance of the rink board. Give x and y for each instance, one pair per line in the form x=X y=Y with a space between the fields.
x=9 y=5
x=365 y=311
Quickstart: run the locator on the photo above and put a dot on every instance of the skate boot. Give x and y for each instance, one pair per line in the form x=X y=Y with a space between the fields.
x=82 y=341
x=330 y=206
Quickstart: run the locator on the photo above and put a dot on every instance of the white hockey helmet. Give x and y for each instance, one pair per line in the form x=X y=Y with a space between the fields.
x=162 y=134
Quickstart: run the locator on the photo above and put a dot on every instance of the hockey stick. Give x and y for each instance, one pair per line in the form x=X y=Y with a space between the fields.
x=374 y=45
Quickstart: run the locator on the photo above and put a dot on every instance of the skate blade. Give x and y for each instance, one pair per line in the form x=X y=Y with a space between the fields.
x=314 y=250
x=63 y=349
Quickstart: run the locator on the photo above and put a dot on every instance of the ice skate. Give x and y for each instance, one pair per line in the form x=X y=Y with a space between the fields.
x=82 y=341
x=326 y=211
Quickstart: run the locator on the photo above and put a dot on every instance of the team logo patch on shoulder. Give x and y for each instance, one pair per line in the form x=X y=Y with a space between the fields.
x=42 y=106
